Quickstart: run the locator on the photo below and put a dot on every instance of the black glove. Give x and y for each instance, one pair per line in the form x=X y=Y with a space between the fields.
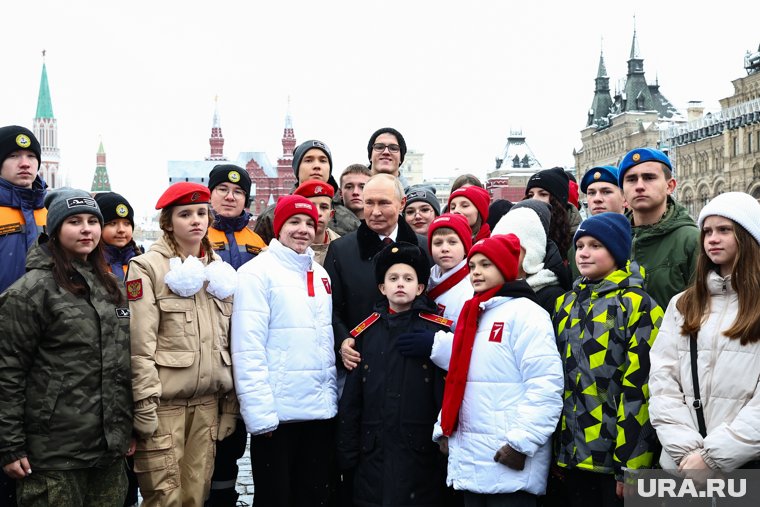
x=510 y=457
x=418 y=343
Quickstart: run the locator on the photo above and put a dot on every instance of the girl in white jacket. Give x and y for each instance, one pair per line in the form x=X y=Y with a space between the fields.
x=719 y=315
x=284 y=363
x=502 y=398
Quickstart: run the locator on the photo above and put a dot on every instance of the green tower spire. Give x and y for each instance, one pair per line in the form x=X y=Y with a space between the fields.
x=100 y=182
x=44 y=104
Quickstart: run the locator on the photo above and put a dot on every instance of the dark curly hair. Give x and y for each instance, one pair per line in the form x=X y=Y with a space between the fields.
x=559 y=226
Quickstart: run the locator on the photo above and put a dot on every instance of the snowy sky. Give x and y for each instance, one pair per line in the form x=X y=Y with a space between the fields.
x=453 y=77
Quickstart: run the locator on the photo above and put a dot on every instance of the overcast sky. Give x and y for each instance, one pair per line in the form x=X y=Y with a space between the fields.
x=453 y=77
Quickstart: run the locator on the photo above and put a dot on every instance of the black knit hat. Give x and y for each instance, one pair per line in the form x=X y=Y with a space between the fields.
x=305 y=146
x=402 y=253
x=387 y=130
x=554 y=180
x=14 y=138
x=229 y=173
x=114 y=206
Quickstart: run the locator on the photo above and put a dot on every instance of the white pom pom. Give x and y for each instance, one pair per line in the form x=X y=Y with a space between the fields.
x=185 y=278
x=222 y=279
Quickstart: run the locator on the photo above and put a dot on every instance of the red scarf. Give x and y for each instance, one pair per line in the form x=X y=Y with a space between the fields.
x=461 y=352
x=451 y=281
x=483 y=233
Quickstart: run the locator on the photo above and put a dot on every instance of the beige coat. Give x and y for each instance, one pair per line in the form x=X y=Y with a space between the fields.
x=180 y=345
x=728 y=382
x=320 y=250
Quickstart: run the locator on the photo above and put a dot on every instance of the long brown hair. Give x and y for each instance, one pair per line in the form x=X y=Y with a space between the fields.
x=67 y=277
x=694 y=305
x=559 y=226
x=165 y=222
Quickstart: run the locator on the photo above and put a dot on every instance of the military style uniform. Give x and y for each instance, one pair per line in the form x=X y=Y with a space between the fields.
x=66 y=396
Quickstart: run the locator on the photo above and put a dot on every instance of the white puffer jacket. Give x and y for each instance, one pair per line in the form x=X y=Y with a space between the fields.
x=513 y=396
x=729 y=376
x=283 y=359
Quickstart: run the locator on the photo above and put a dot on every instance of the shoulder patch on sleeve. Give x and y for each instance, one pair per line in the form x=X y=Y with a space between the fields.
x=134 y=289
x=438 y=319
x=364 y=325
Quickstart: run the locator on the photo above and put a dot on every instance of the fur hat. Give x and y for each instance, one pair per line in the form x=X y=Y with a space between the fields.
x=387 y=130
x=65 y=202
x=613 y=230
x=289 y=205
x=639 y=156
x=402 y=253
x=114 y=206
x=229 y=173
x=554 y=180
x=14 y=138
x=305 y=146
x=503 y=250
x=457 y=223
x=737 y=206
x=525 y=223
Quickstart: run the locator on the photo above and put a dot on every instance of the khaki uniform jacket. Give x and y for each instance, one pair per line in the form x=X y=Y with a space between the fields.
x=180 y=345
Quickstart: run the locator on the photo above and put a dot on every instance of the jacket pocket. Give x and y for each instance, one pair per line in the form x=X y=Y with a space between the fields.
x=223 y=316
x=176 y=328
x=175 y=358
x=41 y=416
x=226 y=359
x=419 y=437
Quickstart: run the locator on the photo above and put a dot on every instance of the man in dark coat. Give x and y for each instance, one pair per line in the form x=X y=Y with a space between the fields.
x=349 y=259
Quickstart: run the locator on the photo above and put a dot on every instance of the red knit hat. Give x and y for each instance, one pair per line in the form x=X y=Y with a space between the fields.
x=184 y=192
x=503 y=250
x=315 y=188
x=479 y=197
x=289 y=205
x=457 y=223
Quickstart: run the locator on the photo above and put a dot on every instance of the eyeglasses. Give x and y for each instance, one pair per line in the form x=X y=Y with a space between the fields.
x=410 y=212
x=225 y=191
x=380 y=147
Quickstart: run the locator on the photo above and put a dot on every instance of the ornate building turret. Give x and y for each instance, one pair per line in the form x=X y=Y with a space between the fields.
x=216 y=141
x=100 y=182
x=45 y=128
x=602 y=104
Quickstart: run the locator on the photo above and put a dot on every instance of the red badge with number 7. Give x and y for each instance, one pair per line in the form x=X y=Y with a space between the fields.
x=496 y=332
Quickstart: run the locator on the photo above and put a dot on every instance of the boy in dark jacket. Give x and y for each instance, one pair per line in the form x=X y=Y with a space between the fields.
x=391 y=400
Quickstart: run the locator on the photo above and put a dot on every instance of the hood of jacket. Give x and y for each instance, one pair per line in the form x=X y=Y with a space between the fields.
x=631 y=276
x=18 y=197
x=674 y=218
x=39 y=258
x=515 y=289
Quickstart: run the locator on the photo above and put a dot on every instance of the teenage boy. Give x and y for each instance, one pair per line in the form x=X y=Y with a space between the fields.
x=503 y=390
x=605 y=329
x=600 y=184
x=391 y=402
x=665 y=237
x=321 y=194
x=352 y=181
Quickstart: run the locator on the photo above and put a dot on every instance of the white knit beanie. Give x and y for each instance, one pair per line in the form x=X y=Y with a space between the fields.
x=737 y=206
x=525 y=224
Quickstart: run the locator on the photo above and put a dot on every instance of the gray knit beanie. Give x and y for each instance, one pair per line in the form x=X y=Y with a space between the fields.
x=64 y=202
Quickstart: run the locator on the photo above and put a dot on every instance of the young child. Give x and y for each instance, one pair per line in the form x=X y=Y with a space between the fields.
x=391 y=400
x=118 y=227
x=605 y=328
x=503 y=390
x=472 y=202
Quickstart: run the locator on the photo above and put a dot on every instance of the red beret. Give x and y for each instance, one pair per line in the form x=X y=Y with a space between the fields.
x=315 y=188
x=289 y=205
x=503 y=250
x=184 y=192
x=456 y=222
x=479 y=197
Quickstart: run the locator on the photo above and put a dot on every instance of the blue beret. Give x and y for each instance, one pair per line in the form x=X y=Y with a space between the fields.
x=605 y=173
x=639 y=156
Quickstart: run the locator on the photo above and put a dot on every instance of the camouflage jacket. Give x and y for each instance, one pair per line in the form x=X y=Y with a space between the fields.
x=65 y=389
x=342 y=223
x=604 y=334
